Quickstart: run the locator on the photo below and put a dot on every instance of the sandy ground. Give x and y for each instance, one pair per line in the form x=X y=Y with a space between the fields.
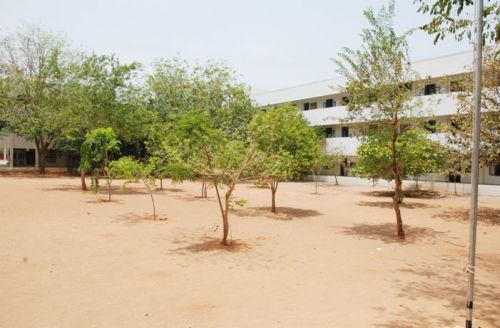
x=69 y=259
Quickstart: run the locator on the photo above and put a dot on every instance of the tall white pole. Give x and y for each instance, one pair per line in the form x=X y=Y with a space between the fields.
x=470 y=269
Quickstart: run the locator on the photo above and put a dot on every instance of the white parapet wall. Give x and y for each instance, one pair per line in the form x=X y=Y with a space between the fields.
x=461 y=188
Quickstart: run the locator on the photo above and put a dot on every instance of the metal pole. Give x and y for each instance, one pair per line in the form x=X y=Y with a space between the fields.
x=478 y=45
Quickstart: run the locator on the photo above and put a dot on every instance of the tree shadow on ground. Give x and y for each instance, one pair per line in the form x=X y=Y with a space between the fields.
x=210 y=244
x=282 y=213
x=103 y=190
x=134 y=218
x=98 y=200
x=486 y=215
x=404 y=204
x=418 y=194
x=443 y=283
x=169 y=189
x=386 y=232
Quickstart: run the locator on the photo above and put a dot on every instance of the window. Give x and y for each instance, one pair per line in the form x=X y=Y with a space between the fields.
x=455 y=124
x=408 y=86
x=430 y=126
x=429 y=89
x=345 y=131
x=345 y=100
x=495 y=170
x=330 y=103
x=313 y=105
x=329 y=132
x=456 y=86
x=306 y=106
x=52 y=157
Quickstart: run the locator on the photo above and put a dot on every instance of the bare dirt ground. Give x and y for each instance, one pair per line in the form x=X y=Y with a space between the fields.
x=70 y=259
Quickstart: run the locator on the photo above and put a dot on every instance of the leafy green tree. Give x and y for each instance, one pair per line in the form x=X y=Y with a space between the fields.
x=128 y=169
x=96 y=152
x=421 y=155
x=378 y=77
x=326 y=161
x=455 y=163
x=166 y=155
x=104 y=93
x=454 y=17
x=175 y=88
x=35 y=69
x=417 y=155
x=290 y=146
x=225 y=161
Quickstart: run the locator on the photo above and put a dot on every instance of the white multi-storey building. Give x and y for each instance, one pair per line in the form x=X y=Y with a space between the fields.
x=321 y=103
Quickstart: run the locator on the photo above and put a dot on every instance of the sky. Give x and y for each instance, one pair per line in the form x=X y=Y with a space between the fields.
x=271 y=44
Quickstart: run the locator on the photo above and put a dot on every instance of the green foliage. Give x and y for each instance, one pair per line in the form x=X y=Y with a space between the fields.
x=374 y=158
x=34 y=89
x=176 y=88
x=126 y=168
x=95 y=154
x=460 y=133
x=378 y=74
x=289 y=146
x=417 y=155
x=378 y=79
x=104 y=94
x=454 y=17
x=241 y=202
x=97 y=148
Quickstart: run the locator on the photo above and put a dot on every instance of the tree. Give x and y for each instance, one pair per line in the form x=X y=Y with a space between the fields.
x=96 y=151
x=175 y=88
x=226 y=161
x=326 y=161
x=420 y=155
x=456 y=160
x=417 y=155
x=460 y=132
x=454 y=17
x=104 y=93
x=166 y=155
x=378 y=80
x=290 y=146
x=35 y=68
x=129 y=169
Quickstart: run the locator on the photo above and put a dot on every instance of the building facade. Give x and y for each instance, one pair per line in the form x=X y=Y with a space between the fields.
x=17 y=153
x=323 y=102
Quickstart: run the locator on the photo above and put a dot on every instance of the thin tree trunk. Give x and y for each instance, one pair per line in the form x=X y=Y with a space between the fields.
x=108 y=182
x=225 y=219
x=397 y=180
x=82 y=177
x=315 y=182
x=161 y=183
x=273 y=182
x=397 y=201
x=336 y=181
x=204 y=193
x=150 y=195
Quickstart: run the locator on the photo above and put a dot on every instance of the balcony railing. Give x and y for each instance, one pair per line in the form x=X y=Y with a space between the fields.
x=433 y=105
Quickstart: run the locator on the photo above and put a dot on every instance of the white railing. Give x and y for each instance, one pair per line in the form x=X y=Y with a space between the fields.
x=433 y=105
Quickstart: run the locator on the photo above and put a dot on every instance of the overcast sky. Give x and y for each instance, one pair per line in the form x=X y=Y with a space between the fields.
x=270 y=43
